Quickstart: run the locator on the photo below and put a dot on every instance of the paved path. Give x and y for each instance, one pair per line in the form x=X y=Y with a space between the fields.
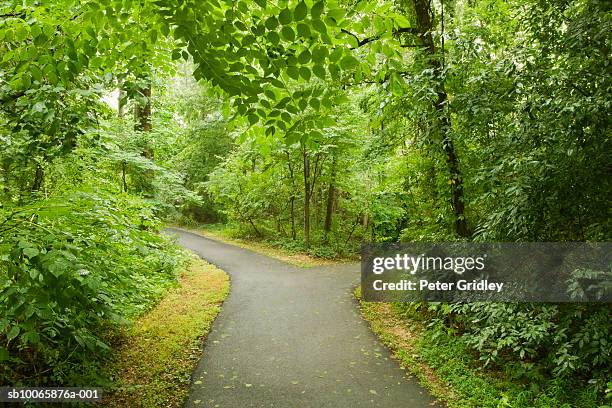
x=292 y=337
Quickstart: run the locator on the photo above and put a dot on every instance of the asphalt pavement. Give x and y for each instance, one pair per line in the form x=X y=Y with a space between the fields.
x=292 y=337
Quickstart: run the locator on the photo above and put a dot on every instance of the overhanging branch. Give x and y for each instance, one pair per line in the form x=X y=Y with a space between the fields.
x=363 y=41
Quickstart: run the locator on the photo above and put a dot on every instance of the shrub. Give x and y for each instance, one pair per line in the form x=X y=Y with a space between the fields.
x=71 y=269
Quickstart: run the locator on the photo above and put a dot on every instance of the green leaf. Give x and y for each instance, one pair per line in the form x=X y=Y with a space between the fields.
x=315 y=103
x=319 y=71
x=270 y=94
x=165 y=30
x=36 y=72
x=305 y=73
x=271 y=23
x=293 y=72
x=349 y=62
x=153 y=36
x=4 y=354
x=30 y=252
x=402 y=22
x=288 y=33
x=303 y=30
x=335 y=55
x=317 y=9
x=21 y=33
x=14 y=332
x=285 y=16
x=379 y=24
x=397 y=84
x=300 y=11
x=253 y=119
x=31 y=337
x=273 y=37
x=292 y=138
x=334 y=71
x=319 y=54
x=304 y=57
x=319 y=26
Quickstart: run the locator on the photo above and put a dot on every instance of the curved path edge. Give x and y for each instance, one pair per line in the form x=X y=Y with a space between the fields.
x=292 y=337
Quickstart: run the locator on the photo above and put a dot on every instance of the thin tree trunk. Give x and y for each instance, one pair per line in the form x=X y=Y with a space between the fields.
x=424 y=14
x=142 y=123
x=121 y=103
x=292 y=204
x=331 y=192
x=307 y=194
x=292 y=199
x=142 y=113
x=255 y=228
x=38 y=178
x=123 y=171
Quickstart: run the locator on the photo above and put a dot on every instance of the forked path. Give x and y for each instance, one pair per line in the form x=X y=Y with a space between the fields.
x=292 y=337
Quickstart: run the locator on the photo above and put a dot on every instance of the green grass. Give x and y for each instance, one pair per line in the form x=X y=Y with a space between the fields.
x=155 y=359
x=281 y=250
x=452 y=372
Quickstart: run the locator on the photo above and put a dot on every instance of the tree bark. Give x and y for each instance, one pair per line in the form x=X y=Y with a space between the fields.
x=292 y=199
x=424 y=13
x=331 y=192
x=123 y=171
x=255 y=228
x=292 y=205
x=142 y=112
x=38 y=178
x=307 y=194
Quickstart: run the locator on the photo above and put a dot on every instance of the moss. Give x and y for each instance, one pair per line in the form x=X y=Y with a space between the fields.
x=157 y=355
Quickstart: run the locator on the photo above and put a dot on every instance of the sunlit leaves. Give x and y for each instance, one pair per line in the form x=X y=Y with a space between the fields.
x=243 y=50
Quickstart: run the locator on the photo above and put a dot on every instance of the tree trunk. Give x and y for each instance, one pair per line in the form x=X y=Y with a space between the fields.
x=306 y=199
x=255 y=228
x=424 y=14
x=38 y=178
x=142 y=123
x=123 y=171
x=121 y=103
x=331 y=192
x=142 y=112
x=292 y=199
x=292 y=206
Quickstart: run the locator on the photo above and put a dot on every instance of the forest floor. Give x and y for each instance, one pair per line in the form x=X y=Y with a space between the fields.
x=291 y=336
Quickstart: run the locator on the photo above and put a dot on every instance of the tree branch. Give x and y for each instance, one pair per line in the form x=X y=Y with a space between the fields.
x=364 y=41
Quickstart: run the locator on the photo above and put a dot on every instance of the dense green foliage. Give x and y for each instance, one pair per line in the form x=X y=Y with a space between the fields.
x=316 y=125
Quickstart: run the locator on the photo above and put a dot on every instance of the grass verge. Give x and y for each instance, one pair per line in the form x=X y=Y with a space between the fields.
x=156 y=357
x=292 y=257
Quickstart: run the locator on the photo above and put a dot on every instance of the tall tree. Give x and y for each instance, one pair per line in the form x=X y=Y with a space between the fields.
x=442 y=122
